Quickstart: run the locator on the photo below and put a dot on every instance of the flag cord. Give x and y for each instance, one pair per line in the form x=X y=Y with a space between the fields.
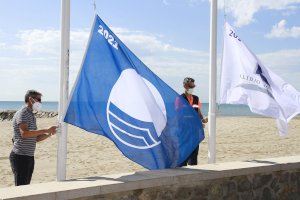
x=225 y=11
x=95 y=7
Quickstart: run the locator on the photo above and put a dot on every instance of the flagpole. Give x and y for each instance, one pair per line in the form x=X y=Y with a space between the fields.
x=64 y=89
x=212 y=83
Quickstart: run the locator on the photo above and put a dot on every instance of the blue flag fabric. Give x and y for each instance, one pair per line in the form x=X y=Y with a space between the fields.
x=117 y=96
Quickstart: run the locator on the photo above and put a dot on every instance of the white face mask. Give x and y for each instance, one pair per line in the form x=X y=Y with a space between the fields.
x=190 y=91
x=36 y=106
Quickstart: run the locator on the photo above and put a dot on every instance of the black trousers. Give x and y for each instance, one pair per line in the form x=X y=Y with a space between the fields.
x=22 y=166
x=192 y=159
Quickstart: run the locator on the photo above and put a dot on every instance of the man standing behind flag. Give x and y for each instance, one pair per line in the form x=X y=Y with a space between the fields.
x=245 y=80
x=193 y=100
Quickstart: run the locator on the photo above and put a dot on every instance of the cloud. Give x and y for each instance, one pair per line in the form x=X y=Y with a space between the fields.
x=243 y=11
x=36 y=56
x=2 y=45
x=170 y=62
x=289 y=12
x=166 y=2
x=37 y=41
x=25 y=72
x=35 y=63
x=195 y=2
x=1 y=34
x=285 y=63
x=286 y=59
x=281 y=31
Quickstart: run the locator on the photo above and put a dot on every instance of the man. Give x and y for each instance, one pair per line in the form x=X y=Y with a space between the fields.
x=25 y=137
x=189 y=85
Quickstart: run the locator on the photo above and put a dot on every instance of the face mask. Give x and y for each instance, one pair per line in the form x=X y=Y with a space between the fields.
x=37 y=106
x=190 y=91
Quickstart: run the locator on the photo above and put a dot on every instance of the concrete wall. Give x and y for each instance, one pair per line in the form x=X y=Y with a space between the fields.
x=277 y=178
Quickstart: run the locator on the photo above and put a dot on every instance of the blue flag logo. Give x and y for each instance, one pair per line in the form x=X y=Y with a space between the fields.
x=133 y=124
x=117 y=96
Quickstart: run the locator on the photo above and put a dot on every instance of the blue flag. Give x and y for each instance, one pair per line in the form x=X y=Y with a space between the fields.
x=117 y=96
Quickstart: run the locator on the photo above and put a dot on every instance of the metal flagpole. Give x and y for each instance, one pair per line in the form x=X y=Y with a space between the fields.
x=212 y=83
x=64 y=90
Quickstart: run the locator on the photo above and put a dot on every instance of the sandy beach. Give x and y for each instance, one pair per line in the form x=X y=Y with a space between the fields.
x=238 y=138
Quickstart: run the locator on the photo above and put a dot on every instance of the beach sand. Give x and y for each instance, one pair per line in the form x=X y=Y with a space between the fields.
x=238 y=138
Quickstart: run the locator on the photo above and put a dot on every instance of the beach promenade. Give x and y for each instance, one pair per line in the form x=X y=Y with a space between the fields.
x=238 y=139
x=276 y=178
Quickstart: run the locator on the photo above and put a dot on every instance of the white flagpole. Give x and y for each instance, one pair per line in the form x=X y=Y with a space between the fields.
x=64 y=89
x=212 y=83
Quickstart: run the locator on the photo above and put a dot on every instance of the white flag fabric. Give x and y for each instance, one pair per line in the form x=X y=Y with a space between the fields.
x=245 y=80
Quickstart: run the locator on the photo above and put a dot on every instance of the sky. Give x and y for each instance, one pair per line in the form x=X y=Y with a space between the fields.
x=170 y=36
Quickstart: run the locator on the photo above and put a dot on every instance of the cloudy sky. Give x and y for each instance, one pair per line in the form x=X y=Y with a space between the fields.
x=170 y=36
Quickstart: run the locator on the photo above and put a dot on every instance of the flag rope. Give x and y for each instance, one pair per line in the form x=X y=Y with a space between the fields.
x=225 y=10
x=95 y=7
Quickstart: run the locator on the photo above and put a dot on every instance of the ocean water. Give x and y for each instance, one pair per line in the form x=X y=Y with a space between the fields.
x=222 y=110
x=16 y=105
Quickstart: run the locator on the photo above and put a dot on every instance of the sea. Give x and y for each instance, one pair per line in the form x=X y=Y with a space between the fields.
x=222 y=110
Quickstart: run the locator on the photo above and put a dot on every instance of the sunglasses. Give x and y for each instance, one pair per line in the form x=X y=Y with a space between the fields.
x=38 y=99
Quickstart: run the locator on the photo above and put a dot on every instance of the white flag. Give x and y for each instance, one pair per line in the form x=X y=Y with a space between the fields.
x=244 y=80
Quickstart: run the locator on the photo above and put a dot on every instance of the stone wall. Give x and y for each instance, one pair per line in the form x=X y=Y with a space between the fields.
x=267 y=186
x=272 y=178
x=7 y=115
